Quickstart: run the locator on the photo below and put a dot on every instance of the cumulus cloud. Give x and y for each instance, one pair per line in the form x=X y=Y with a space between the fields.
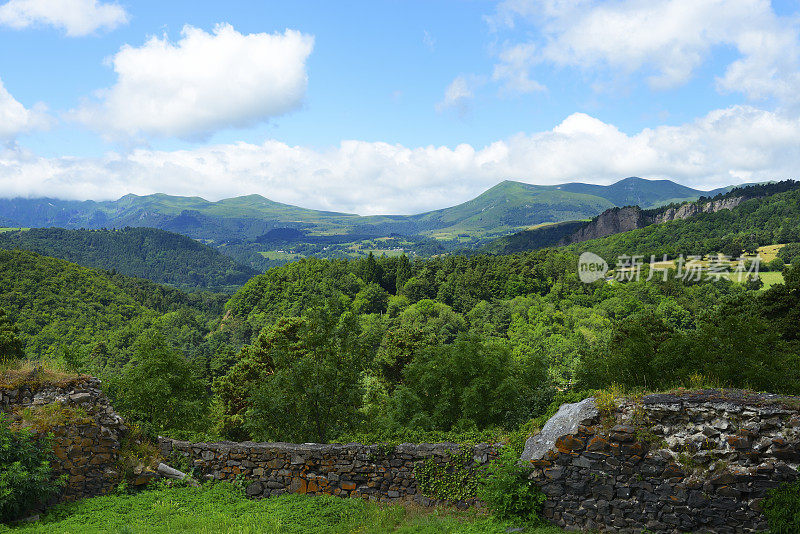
x=201 y=84
x=726 y=146
x=16 y=119
x=665 y=39
x=76 y=17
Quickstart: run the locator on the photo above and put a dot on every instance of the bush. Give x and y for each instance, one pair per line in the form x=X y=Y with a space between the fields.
x=507 y=491
x=25 y=475
x=782 y=509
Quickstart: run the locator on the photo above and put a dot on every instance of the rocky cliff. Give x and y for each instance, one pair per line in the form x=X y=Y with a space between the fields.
x=618 y=220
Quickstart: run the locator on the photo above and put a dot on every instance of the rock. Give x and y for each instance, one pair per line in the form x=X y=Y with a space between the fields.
x=254 y=489
x=144 y=478
x=79 y=398
x=565 y=422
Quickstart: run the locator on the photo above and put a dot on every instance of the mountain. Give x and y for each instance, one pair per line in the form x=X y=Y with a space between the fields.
x=260 y=232
x=638 y=192
x=742 y=219
x=156 y=255
x=620 y=220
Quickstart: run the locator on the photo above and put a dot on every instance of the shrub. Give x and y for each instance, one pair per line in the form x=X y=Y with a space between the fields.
x=25 y=475
x=507 y=491
x=782 y=508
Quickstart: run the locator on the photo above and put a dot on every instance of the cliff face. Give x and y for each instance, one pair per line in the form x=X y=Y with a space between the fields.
x=618 y=220
x=613 y=221
x=693 y=208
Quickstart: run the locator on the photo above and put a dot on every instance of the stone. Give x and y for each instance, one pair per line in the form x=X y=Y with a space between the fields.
x=254 y=488
x=565 y=422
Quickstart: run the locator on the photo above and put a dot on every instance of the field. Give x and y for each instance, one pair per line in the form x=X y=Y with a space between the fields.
x=222 y=508
x=280 y=255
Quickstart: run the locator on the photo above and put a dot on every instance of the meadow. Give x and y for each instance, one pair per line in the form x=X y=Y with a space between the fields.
x=223 y=508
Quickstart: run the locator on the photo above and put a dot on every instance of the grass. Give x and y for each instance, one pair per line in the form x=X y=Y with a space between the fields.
x=222 y=507
x=278 y=255
x=29 y=372
x=46 y=417
x=769 y=252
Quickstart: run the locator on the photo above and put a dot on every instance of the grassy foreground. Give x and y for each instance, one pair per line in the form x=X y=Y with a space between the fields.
x=223 y=507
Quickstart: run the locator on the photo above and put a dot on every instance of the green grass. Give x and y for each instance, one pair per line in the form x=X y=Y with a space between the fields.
x=275 y=255
x=222 y=507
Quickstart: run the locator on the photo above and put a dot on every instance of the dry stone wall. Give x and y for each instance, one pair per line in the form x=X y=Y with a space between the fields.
x=87 y=445
x=374 y=472
x=694 y=462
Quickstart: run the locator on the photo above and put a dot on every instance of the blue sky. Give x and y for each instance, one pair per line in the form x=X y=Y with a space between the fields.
x=393 y=106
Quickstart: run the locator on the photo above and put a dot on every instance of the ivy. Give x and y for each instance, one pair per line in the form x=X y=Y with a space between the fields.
x=453 y=480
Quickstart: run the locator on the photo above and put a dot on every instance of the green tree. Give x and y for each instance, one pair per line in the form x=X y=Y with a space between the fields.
x=254 y=364
x=159 y=387
x=314 y=392
x=11 y=346
x=26 y=478
x=468 y=384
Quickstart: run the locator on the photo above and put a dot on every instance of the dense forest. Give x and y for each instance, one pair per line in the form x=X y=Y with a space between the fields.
x=156 y=255
x=323 y=350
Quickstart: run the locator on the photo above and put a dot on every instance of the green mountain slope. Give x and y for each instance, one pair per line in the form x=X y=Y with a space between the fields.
x=637 y=192
x=156 y=255
x=262 y=233
x=96 y=315
x=511 y=205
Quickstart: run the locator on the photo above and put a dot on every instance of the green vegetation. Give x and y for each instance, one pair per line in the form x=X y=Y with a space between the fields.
x=782 y=508
x=223 y=508
x=260 y=233
x=26 y=480
x=156 y=255
x=507 y=490
x=754 y=223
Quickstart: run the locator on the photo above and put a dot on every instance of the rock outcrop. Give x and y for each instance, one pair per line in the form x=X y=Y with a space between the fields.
x=691 y=209
x=618 y=220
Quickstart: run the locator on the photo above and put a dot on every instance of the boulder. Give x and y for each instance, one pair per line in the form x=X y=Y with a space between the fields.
x=564 y=423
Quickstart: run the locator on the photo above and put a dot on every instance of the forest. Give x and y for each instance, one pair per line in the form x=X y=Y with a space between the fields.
x=157 y=255
x=388 y=348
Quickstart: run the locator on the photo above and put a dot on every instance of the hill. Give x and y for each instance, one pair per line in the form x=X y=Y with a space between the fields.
x=157 y=255
x=638 y=192
x=620 y=220
x=260 y=233
x=755 y=222
x=95 y=316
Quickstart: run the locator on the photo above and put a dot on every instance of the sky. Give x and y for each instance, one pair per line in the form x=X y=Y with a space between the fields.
x=392 y=106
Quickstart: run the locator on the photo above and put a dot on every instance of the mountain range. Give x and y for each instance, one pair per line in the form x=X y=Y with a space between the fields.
x=245 y=226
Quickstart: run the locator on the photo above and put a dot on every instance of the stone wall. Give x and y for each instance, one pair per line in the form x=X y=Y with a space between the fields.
x=87 y=444
x=694 y=462
x=374 y=472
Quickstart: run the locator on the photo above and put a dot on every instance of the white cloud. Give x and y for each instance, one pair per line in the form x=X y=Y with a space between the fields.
x=16 y=119
x=726 y=146
x=664 y=39
x=201 y=84
x=75 y=17
x=458 y=95
x=514 y=69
